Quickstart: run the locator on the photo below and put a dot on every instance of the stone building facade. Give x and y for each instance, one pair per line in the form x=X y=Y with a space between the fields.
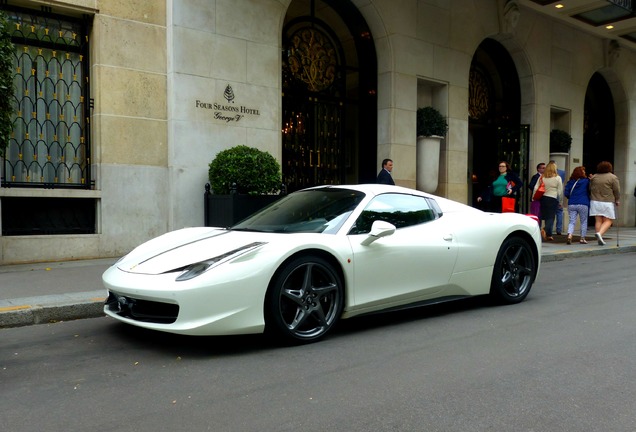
x=167 y=84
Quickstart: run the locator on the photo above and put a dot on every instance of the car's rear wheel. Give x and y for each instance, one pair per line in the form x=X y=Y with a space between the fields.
x=305 y=300
x=514 y=271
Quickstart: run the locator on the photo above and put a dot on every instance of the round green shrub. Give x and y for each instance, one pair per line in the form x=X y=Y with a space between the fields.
x=431 y=122
x=560 y=141
x=254 y=171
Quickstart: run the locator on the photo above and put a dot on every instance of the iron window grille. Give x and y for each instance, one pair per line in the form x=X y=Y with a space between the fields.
x=49 y=145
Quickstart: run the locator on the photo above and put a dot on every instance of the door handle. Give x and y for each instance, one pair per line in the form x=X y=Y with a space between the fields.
x=448 y=237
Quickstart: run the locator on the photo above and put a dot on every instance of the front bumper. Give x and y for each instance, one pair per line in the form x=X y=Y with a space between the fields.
x=206 y=305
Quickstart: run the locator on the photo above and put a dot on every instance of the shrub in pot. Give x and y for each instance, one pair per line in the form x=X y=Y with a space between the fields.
x=244 y=180
x=430 y=122
x=431 y=128
x=255 y=172
x=560 y=141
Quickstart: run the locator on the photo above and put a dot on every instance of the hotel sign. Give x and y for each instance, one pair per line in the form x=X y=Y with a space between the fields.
x=227 y=111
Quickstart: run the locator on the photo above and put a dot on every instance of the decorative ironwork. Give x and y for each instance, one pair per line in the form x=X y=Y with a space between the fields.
x=313 y=106
x=312 y=59
x=512 y=146
x=312 y=149
x=49 y=146
x=478 y=95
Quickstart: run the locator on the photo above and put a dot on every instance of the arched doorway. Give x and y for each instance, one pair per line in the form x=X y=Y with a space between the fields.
x=329 y=73
x=495 y=132
x=598 y=124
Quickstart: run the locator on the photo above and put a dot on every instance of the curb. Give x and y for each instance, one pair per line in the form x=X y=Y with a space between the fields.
x=601 y=250
x=50 y=309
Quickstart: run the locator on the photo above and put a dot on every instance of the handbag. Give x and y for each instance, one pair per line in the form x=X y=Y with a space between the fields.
x=540 y=190
x=507 y=205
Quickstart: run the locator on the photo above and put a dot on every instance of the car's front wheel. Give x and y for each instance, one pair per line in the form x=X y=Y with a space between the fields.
x=514 y=271
x=305 y=300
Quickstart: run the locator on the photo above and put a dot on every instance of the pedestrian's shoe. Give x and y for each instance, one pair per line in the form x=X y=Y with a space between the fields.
x=583 y=241
x=599 y=239
x=569 y=240
x=543 y=234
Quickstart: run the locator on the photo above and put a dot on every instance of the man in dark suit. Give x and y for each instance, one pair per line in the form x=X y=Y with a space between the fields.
x=535 y=205
x=384 y=176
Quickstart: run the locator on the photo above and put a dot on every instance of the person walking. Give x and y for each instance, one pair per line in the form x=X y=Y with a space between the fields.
x=559 y=210
x=507 y=183
x=605 y=195
x=384 y=176
x=535 y=205
x=577 y=191
x=550 y=200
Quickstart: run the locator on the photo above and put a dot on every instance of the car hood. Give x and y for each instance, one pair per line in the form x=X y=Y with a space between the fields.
x=183 y=247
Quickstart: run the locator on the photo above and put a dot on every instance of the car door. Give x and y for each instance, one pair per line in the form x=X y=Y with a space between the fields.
x=414 y=263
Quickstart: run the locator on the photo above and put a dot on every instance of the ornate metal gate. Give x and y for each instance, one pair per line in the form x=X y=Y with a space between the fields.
x=313 y=105
x=512 y=146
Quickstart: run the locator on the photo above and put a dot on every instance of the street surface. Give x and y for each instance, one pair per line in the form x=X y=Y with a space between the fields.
x=564 y=360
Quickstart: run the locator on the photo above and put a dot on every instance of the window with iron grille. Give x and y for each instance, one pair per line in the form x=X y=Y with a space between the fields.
x=49 y=146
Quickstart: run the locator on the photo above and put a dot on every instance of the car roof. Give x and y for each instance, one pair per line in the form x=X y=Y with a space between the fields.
x=376 y=189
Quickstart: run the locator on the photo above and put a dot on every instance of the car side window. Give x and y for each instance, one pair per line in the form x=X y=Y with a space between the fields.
x=401 y=210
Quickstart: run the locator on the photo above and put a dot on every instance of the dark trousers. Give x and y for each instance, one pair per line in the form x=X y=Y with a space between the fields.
x=494 y=205
x=548 y=212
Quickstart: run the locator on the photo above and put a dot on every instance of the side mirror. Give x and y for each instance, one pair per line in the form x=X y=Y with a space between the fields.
x=379 y=229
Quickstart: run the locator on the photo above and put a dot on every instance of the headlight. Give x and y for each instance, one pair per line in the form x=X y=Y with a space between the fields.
x=194 y=270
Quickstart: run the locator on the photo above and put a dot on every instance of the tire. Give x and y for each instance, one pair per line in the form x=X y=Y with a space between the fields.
x=514 y=272
x=305 y=300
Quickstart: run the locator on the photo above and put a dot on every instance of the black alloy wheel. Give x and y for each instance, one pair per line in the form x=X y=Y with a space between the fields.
x=514 y=272
x=305 y=300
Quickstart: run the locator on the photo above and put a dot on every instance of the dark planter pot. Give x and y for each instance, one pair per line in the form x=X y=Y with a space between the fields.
x=227 y=210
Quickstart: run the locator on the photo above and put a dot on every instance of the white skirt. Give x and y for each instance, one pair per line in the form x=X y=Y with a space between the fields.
x=600 y=208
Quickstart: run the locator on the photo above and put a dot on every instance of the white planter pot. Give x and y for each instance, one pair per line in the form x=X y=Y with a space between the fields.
x=428 y=150
x=562 y=161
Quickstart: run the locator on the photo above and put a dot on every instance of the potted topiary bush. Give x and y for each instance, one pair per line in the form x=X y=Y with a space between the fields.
x=242 y=180
x=560 y=141
x=255 y=172
x=430 y=122
x=431 y=129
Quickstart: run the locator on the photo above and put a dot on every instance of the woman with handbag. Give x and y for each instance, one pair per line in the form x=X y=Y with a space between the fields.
x=535 y=204
x=577 y=191
x=503 y=189
x=551 y=198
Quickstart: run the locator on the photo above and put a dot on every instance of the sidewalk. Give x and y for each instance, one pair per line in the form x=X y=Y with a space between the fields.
x=61 y=291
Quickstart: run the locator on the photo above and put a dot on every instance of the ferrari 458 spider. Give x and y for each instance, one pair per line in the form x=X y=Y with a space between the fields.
x=321 y=254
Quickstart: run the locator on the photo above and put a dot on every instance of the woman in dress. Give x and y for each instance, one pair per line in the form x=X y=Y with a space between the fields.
x=605 y=195
x=577 y=190
x=552 y=197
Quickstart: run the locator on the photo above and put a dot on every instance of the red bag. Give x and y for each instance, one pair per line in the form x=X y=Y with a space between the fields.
x=507 y=205
x=540 y=190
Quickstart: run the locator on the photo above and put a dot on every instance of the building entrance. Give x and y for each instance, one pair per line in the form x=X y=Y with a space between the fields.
x=329 y=73
x=494 y=119
x=599 y=124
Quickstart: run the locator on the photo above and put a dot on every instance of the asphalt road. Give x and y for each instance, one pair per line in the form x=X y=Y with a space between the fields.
x=564 y=360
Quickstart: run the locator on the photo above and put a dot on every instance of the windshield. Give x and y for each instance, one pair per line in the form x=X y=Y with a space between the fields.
x=309 y=211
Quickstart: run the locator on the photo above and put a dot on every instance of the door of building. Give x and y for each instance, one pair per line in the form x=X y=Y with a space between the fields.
x=329 y=80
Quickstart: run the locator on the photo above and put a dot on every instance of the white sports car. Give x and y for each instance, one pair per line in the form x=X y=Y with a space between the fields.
x=317 y=255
